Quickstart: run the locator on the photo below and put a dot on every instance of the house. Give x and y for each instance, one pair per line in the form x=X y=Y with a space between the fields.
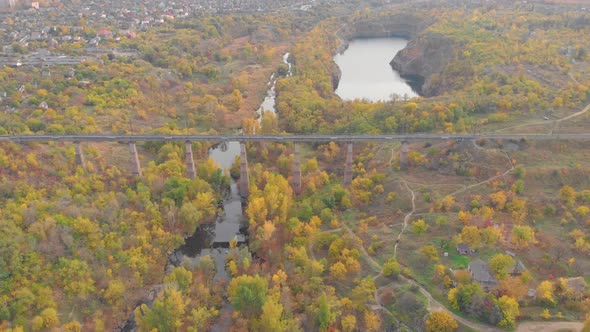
x=464 y=249
x=517 y=269
x=480 y=273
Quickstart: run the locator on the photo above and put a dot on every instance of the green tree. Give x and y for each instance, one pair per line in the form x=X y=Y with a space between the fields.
x=324 y=316
x=248 y=294
x=75 y=277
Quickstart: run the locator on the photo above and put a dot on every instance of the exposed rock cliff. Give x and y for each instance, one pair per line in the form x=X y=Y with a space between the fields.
x=336 y=76
x=400 y=25
x=423 y=59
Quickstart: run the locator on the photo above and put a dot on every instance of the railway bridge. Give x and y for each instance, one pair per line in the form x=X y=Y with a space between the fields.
x=349 y=140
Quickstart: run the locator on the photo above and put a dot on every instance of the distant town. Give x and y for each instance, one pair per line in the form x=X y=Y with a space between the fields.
x=73 y=31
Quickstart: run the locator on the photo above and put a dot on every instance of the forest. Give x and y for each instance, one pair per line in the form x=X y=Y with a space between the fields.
x=87 y=247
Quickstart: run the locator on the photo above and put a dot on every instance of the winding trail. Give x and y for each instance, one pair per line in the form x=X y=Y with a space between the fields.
x=433 y=304
x=406 y=219
x=488 y=180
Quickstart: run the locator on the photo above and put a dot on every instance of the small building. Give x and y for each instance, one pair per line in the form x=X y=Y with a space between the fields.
x=464 y=249
x=480 y=272
x=517 y=269
x=532 y=293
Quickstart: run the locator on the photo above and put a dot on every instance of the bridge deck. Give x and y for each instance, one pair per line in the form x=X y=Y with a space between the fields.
x=281 y=138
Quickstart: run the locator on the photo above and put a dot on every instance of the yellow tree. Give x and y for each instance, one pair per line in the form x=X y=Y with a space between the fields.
x=499 y=200
x=545 y=292
x=510 y=310
x=348 y=323
x=441 y=321
x=166 y=314
x=523 y=235
x=568 y=195
x=430 y=252
x=499 y=264
x=372 y=322
x=271 y=316
x=470 y=235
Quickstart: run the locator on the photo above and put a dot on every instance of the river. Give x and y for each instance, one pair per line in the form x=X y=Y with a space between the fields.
x=366 y=73
x=213 y=239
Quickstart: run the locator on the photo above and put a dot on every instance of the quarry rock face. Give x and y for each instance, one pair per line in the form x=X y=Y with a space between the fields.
x=423 y=59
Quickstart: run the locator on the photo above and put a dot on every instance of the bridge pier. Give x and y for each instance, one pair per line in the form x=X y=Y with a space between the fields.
x=80 y=160
x=403 y=156
x=348 y=166
x=296 y=171
x=191 y=171
x=135 y=160
x=244 y=179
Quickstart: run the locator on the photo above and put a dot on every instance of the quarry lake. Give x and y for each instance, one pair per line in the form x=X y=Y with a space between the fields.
x=366 y=73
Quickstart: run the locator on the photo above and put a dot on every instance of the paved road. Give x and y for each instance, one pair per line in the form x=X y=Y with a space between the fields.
x=282 y=138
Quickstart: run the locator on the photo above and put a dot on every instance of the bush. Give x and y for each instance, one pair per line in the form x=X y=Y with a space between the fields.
x=391 y=268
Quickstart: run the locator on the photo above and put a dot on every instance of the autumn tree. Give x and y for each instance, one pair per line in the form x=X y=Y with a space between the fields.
x=499 y=200
x=586 y=327
x=510 y=311
x=523 y=235
x=545 y=292
x=430 y=252
x=568 y=195
x=471 y=235
x=348 y=323
x=372 y=321
x=441 y=321
x=181 y=278
x=167 y=313
x=391 y=268
x=271 y=318
x=419 y=226
x=499 y=264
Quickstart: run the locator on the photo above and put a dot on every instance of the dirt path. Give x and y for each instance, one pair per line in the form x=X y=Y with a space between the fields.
x=433 y=304
x=488 y=180
x=586 y=109
x=406 y=219
x=549 y=326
